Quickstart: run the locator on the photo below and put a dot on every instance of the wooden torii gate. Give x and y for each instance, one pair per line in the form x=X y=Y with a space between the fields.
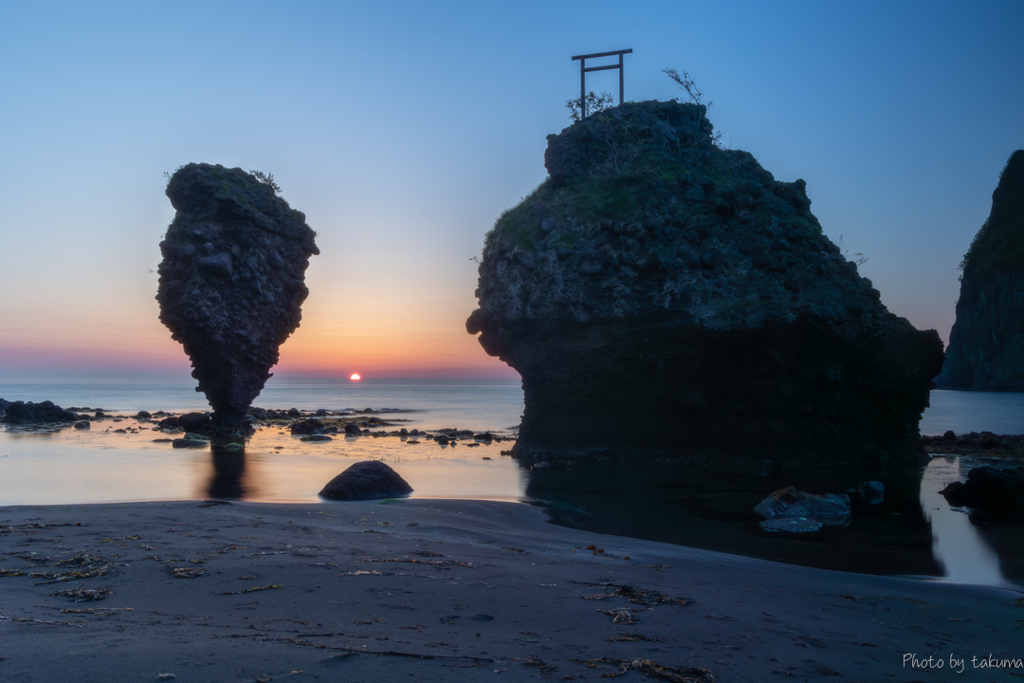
x=583 y=74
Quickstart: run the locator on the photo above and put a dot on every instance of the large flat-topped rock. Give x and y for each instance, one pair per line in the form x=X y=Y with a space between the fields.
x=661 y=296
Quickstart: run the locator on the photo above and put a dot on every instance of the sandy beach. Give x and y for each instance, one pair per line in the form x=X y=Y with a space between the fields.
x=452 y=590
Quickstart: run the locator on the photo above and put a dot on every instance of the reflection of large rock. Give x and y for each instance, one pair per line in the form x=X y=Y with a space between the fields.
x=986 y=344
x=659 y=294
x=231 y=281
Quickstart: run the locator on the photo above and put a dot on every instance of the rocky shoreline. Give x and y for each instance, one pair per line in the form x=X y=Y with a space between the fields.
x=45 y=415
x=984 y=444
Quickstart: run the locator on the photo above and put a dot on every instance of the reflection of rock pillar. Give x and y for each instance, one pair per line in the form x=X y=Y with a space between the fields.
x=228 y=476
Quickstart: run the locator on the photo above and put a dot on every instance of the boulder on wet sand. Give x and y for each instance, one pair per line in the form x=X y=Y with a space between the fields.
x=366 y=480
x=231 y=282
x=792 y=510
x=657 y=279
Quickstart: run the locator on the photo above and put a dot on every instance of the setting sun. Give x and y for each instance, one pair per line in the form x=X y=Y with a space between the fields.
x=355 y=377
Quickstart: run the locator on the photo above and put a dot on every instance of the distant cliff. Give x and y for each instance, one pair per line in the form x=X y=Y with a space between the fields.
x=658 y=294
x=986 y=345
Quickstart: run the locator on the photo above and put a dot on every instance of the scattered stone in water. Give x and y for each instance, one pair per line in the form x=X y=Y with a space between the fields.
x=988 y=488
x=310 y=426
x=316 y=438
x=873 y=492
x=194 y=422
x=83 y=424
x=189 y=443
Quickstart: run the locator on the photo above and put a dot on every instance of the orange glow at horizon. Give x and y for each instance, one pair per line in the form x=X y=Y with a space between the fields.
x=355 y=377
x=420 y=337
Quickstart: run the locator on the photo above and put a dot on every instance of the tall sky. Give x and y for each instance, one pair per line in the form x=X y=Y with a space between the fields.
x=403 y=129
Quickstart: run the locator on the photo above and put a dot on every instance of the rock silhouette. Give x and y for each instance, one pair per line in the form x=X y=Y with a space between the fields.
x=26 y=412
x=231 y=282
x=366 y=480
x=986 y=344
x=661 y=296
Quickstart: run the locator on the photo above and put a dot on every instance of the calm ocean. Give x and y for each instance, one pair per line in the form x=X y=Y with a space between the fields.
x=430 y=404
x=433 y=404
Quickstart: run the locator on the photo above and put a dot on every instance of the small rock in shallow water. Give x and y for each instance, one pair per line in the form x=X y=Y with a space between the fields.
x=82 y=424
x=871 y=491
x=830 y=509
x=988 y=440
x=310 y=426
x=988 y=488
x=188 y=443
x=193 y=422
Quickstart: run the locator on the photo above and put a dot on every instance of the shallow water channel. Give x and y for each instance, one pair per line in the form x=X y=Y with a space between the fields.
x=912 y=532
